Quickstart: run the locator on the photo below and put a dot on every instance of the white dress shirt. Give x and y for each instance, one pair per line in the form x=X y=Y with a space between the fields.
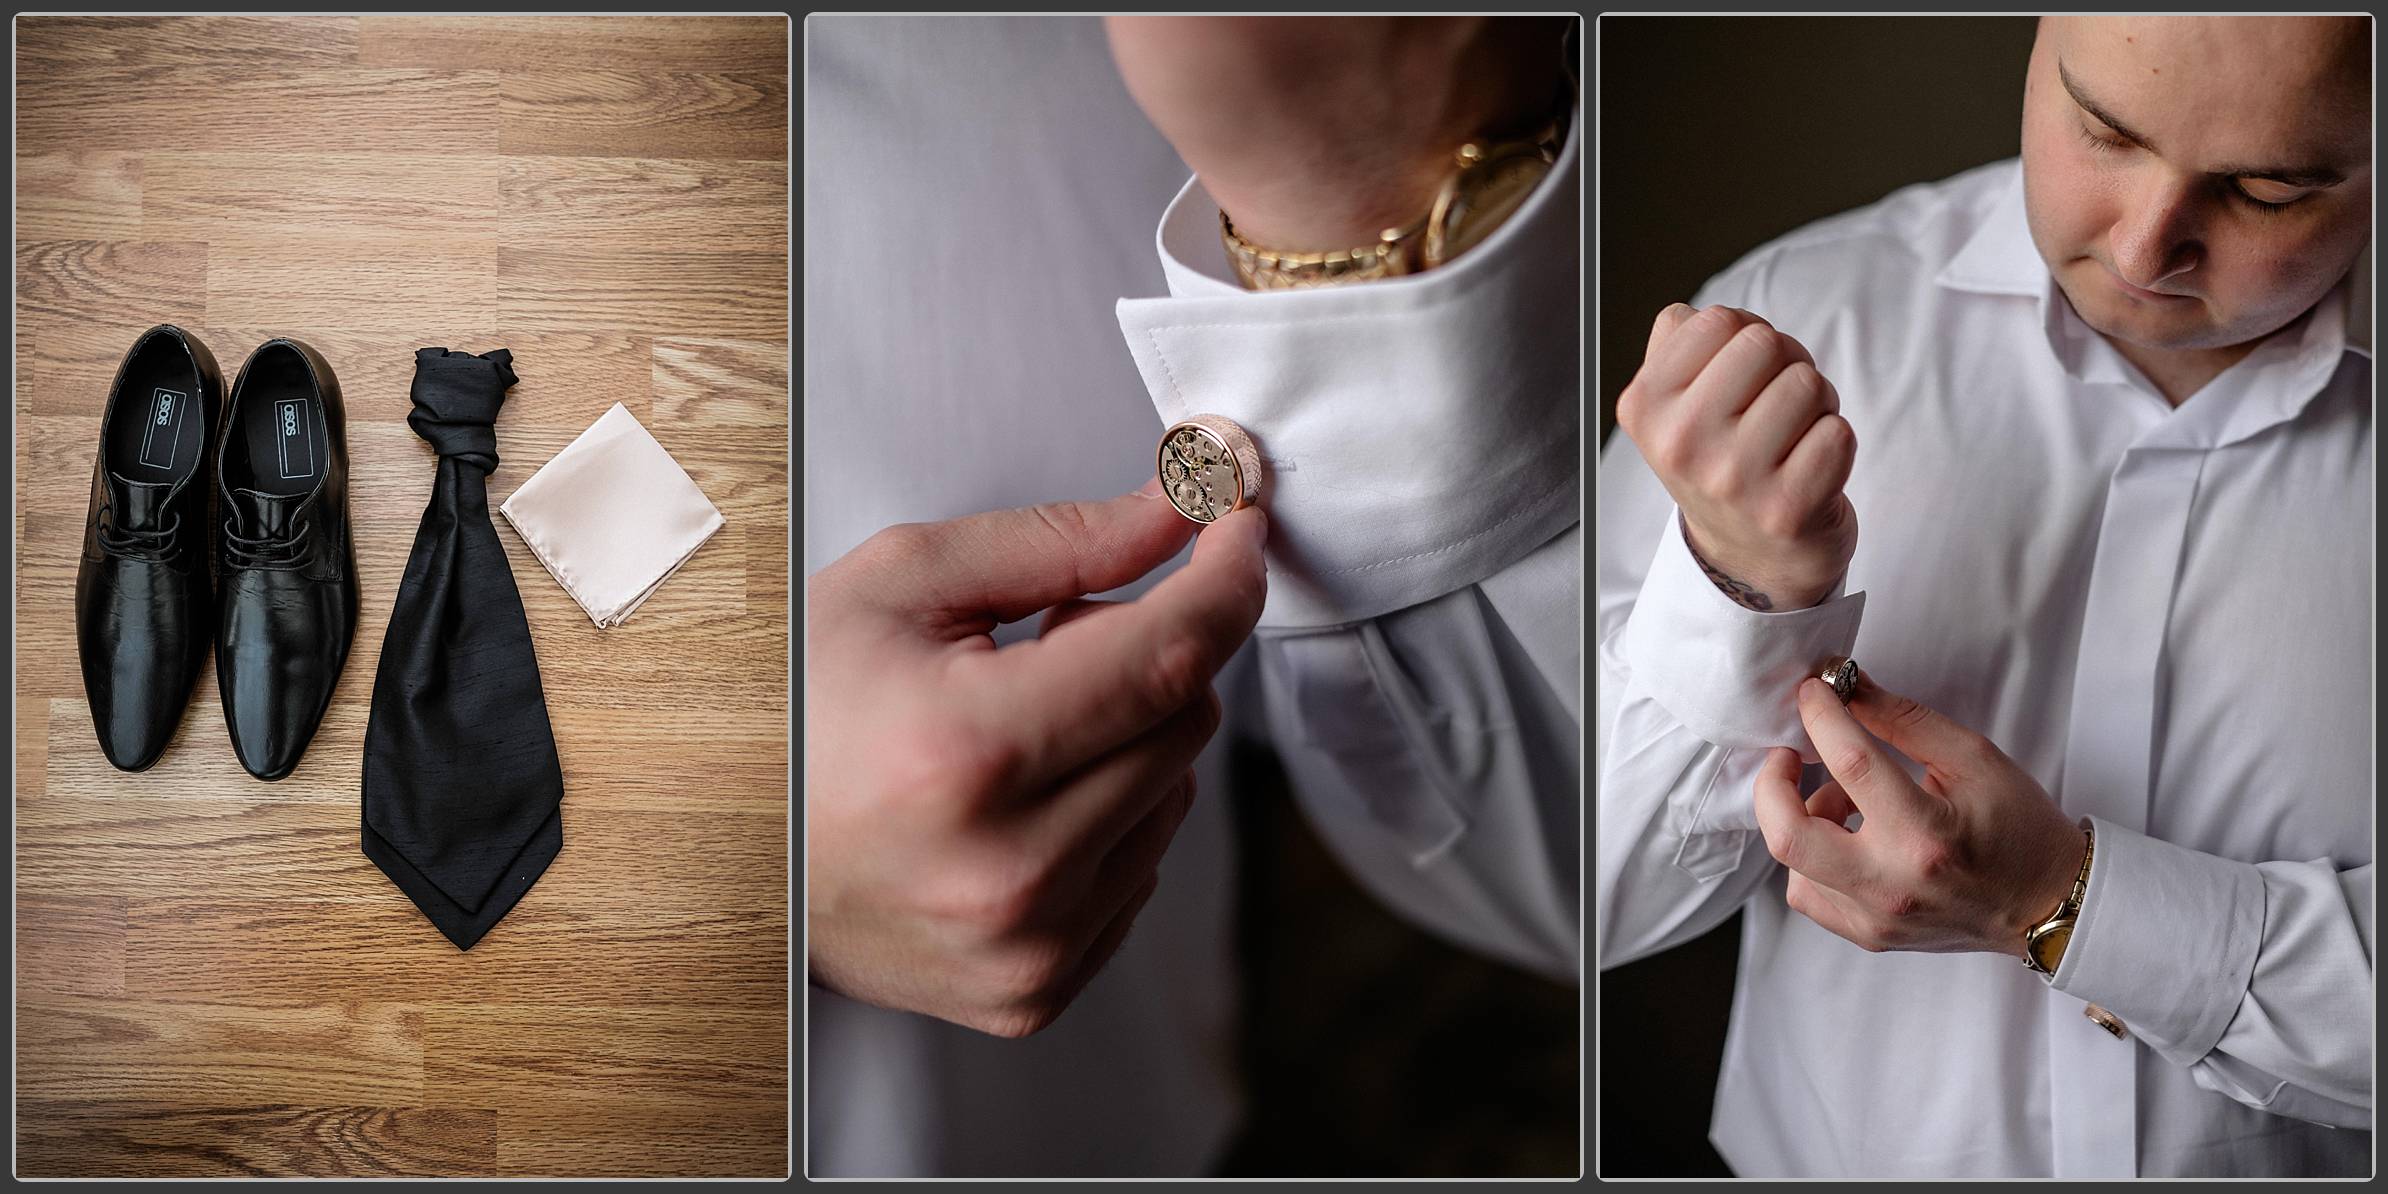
x=2163 y=614
x=980 y=206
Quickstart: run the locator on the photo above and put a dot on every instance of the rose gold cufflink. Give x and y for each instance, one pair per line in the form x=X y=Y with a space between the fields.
x=1209 y=467
x=2106 y=1020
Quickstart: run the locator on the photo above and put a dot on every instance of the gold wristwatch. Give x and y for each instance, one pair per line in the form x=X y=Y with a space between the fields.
x=2044 y=943
x=1488 y=182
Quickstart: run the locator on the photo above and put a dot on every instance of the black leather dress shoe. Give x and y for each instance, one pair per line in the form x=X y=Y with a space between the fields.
x=288 y=606
x=143 y=614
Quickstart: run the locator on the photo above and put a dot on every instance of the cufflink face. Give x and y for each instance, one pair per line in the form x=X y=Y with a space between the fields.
x=1209 y=466
x=1840 y=675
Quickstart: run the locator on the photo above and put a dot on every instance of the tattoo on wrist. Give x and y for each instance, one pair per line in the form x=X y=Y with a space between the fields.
x=1740 y=591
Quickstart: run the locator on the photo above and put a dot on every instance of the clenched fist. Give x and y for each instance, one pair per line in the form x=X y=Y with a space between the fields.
x=1747 y=437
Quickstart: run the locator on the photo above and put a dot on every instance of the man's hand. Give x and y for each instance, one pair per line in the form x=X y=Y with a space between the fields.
x=1317 y=133
x=1962 y=864
x=982 y=825
x=1747 y=437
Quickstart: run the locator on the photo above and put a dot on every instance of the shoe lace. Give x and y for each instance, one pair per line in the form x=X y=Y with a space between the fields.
x=137 y=544
x=265 y=551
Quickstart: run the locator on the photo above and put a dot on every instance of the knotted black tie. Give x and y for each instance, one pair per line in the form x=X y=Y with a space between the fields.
x=463 y=793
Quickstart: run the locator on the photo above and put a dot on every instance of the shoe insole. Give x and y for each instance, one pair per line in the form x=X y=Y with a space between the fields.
x=156 y=433
x=282 y=422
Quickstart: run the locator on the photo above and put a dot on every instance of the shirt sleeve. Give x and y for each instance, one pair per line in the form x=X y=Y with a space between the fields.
x=2256 y=977
x=1694 y=689
x=1421 y=651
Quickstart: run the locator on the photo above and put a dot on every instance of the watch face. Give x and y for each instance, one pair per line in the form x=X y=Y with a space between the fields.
x=1486 y=202
x=1199 y=475
x=2049 y=948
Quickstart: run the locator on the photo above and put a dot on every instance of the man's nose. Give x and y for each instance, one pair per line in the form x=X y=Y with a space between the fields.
x=2157 y=236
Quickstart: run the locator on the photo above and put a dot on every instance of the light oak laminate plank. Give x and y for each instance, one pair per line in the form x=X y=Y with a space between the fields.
x=161 y=1138
x=645 y=202
x=79 y=195
x=48 y=46
x=614 y=759
x=664 y=290
x=71 y=945
x=540 y=43
x=205 y=195
x=651 y=114
x=133 y=284
x=208 y=949
x=619 y=1054
x=308 y=850
x=224 y=108
x=279 y=1051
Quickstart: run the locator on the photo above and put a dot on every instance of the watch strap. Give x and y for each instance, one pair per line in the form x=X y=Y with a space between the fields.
x=1423 y=243
x=1258 y=268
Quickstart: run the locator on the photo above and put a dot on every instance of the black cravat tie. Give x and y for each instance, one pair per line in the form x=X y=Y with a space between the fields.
x=463 y=793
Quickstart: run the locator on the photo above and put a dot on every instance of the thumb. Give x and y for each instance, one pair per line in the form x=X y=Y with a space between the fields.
x=1007 y=564
x=1106 y=678
x=1072 y=610
x=1919 y=731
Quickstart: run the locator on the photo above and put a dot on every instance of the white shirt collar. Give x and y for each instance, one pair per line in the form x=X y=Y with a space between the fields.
x=1419 y=434
x=2269 y=386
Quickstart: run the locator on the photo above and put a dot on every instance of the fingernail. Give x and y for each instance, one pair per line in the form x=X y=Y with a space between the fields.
x=1152 y=488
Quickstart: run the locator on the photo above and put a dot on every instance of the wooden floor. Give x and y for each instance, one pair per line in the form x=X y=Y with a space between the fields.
x=211 y=979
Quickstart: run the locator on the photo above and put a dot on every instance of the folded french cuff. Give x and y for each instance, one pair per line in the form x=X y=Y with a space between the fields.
x=2166 y=940
x=1418 y=434
x=1730 y=674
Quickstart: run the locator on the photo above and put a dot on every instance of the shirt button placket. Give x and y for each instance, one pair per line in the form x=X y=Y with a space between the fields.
x=2110 y=736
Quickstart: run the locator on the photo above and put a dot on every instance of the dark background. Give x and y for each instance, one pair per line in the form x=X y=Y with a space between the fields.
x=1371 y=1047
x=1718 y=134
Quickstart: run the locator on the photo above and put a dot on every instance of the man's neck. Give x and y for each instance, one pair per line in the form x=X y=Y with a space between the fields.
x=2180 y=372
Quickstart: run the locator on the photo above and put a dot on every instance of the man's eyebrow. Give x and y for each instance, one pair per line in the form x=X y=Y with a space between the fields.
x=2091 y=106
x=2295 y=176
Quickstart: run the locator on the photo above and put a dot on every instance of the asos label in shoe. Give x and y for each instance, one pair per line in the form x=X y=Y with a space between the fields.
x=164 y=431
x=296 y=439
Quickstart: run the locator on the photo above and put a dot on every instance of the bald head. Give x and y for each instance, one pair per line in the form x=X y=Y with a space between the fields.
x=2280 y=70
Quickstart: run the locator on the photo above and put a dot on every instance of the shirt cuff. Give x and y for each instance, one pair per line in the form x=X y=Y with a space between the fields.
x=1730 y=674
x=2166 y=939
x=1417 y=434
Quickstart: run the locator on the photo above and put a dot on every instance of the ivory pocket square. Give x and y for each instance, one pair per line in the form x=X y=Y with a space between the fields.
x=612 y=516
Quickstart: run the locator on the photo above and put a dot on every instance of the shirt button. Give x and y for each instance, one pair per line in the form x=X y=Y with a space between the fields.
x=1209 y=466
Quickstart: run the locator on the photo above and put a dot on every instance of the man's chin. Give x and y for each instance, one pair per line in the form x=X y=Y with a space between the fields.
x=2183 y=325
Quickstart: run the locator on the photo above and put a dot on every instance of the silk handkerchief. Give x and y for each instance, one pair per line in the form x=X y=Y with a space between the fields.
x=612 y=516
